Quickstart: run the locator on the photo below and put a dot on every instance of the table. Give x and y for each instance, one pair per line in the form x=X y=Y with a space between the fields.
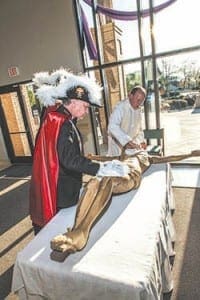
x=126 y=257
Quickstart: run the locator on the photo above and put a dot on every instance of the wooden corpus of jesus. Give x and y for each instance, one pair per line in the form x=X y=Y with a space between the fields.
x=97 y=195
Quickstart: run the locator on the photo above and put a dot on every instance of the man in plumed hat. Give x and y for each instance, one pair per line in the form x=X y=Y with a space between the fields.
x=58 y=161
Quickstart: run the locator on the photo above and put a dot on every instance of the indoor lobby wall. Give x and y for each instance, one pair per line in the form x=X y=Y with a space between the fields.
x=37 y=35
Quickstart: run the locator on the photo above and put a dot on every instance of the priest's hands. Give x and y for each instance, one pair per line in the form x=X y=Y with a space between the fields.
x=132 y=145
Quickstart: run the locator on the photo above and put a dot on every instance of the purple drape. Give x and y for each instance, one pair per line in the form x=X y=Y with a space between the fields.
x=88 y=37
x=128 y=15
x=117 y=15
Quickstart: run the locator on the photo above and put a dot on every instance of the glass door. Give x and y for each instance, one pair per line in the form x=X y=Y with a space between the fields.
x=19 y=122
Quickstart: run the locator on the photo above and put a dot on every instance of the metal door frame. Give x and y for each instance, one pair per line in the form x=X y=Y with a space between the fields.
x=5 y=131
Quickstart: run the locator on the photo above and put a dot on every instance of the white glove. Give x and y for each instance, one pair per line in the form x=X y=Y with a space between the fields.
x=113 y=168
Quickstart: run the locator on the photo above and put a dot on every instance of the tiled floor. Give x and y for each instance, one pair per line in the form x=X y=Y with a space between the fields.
x=4 y=164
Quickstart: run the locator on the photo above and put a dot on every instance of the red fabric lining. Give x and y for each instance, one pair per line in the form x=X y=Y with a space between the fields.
x=43 y=189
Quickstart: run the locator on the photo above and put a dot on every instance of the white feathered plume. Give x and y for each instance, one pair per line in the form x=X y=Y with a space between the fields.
x=52 y=86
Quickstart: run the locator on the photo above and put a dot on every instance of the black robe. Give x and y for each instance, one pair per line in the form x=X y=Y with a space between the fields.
x=58 y=164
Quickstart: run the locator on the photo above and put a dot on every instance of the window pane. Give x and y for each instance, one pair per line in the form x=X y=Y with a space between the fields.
x=129 y=30
x=15 y=124
x=117 y=39
x=180 y=107
x=177 y=26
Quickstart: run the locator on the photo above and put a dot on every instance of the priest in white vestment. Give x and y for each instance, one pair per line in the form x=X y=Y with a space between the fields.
x=125 y=124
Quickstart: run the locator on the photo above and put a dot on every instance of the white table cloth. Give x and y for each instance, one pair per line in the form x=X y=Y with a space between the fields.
x=126 y=257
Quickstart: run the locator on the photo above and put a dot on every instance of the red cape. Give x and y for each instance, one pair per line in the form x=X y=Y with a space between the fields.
x=45 y=170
